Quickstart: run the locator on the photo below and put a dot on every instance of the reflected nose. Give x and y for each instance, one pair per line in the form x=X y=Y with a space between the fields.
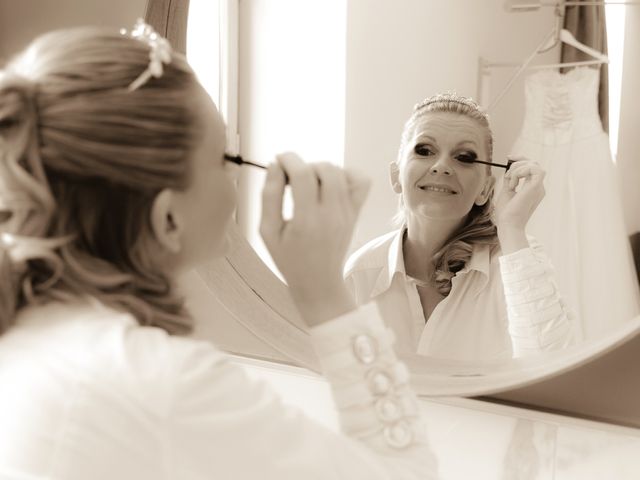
x=441 y=167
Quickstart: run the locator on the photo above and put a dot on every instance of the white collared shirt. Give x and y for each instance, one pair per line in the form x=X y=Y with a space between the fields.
x=476 y=321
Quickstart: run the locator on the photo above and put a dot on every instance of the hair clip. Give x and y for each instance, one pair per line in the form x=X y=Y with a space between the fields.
x=451 y=97
x=159 y=52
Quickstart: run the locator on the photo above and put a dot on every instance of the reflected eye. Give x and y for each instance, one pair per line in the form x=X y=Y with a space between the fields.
x=467 y=157
x=423 y=150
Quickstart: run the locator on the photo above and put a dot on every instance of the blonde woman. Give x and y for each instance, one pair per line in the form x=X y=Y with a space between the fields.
x=459 y=280
x=113 y=180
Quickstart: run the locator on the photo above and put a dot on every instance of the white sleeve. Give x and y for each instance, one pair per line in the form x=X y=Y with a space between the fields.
x=539 y=319
x=224 y=425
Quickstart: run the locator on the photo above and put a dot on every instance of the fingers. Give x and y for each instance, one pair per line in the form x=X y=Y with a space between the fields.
x=313 y=186
x=342 y=187
x=525 y=169
x=359 y=186
x=332 y=186
x=272 y=197
x=302 y=179
x=530 y=171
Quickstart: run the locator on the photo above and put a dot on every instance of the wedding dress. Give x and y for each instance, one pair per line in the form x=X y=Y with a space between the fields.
x=580 y=221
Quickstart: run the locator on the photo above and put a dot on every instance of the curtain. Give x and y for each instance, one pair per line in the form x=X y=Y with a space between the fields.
x=169 y=18
x=635 y=247
x=588 y=26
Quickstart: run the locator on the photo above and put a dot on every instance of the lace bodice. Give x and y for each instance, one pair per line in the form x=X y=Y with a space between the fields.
x=561 y=108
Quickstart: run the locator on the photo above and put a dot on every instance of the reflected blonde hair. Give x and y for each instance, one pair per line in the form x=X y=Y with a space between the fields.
x=82 y=159
x=478 y=227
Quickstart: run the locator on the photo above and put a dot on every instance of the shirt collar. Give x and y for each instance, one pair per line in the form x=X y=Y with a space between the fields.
x=394 y=264
x=480 y=261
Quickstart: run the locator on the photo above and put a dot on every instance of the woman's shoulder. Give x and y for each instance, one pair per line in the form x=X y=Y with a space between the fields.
x=97 y=343
x=373 y=254
x=69 y=321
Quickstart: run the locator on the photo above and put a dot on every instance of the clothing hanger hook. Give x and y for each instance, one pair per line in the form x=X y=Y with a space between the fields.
x=559 y=13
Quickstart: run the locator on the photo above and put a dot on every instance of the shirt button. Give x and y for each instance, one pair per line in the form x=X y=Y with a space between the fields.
x=388 y=410
x=365 y=348
x=398 y=435
x=379 y=382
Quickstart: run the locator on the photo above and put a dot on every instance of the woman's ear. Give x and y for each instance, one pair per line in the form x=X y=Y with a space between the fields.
x=483 y=196
x=166 y=222
x=394 y=176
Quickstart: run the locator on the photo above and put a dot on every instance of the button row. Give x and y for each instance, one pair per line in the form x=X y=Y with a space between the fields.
x=381 y=383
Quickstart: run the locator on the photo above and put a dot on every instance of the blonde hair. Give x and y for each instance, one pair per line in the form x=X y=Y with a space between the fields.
x=478 y=227
x=82 y=159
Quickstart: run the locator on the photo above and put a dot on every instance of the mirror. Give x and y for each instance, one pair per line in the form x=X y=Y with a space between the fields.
x=346 y=91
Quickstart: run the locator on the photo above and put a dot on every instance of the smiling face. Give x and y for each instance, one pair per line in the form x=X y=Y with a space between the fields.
x=433 y=173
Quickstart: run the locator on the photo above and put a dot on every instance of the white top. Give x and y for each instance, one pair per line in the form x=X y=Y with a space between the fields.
x=89 y=394
x=476 y=321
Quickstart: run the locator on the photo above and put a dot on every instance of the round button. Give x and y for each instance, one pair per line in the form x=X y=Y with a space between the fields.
x=379 y=382
x=365 y=348
x=398 y=435
x=401 y=374
x=388 y=410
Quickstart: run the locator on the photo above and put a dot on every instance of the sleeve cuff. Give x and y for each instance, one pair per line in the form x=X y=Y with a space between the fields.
x=370 y=386
x=516 y=261
x=336 y=335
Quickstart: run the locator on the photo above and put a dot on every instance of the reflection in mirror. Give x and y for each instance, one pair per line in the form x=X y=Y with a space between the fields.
x=583 y=285
x=460 y=261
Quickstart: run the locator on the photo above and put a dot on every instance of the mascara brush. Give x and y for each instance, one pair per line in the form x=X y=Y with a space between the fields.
x=238 y=160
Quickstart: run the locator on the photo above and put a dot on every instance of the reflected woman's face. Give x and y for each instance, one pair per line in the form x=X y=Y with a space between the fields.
x=430 y=175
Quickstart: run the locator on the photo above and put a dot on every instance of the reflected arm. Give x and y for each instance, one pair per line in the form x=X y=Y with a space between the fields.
x=538 y=318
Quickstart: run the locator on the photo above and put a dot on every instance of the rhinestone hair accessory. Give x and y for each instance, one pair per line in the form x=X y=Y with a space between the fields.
x=451 y=97
x=159 y=52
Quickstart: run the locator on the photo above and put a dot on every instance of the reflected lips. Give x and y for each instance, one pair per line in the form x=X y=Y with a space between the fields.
x=434 y=187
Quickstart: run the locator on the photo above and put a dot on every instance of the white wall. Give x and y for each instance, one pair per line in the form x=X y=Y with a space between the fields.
x=399 y=52
x=629 y=138
x=23 y=20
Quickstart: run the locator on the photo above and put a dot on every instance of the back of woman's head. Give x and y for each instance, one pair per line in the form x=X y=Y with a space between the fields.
x=478 y=227
x=82 y=157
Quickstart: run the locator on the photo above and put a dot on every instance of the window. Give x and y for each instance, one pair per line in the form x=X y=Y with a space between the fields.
x=615 y=18
x=292 y=60
x=212 y=51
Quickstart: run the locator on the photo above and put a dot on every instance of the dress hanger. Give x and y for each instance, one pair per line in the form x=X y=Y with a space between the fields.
x=553 y=38
x=562 y=35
